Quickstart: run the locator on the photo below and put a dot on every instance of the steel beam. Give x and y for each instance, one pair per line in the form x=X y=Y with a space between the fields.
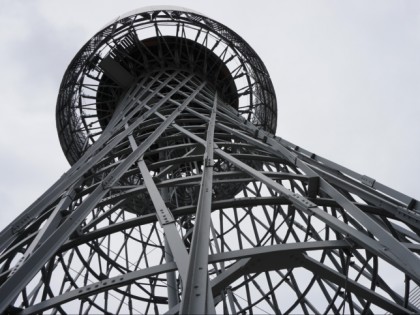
x=386 y=247
x=197 y=297
x=98 y=287
x=32 y=265
x=243 y=257
x=353 y=287
x=92 y=156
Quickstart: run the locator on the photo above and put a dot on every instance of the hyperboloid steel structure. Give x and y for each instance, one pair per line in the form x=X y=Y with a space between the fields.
x=180 y=198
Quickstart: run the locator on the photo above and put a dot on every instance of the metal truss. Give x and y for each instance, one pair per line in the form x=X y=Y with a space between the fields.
x=182 y=200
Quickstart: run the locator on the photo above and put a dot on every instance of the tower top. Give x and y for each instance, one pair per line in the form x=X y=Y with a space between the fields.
x=159 y=38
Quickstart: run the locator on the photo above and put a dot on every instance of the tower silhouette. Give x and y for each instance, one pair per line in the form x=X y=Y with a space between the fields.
x=181 y=199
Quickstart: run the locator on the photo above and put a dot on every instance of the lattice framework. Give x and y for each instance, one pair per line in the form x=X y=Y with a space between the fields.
x=176 y=202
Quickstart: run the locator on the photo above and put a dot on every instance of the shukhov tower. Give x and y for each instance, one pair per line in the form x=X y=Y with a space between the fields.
x=181 y=199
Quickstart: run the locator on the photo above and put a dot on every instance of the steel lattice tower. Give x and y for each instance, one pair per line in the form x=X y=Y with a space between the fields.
x=181 y=199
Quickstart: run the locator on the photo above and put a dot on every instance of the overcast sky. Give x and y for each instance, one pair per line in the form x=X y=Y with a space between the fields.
x=346 y=75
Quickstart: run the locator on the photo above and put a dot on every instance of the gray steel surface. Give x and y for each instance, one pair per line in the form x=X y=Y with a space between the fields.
x=180 y=198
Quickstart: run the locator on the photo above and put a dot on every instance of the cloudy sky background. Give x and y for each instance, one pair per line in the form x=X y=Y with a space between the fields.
x=346 y=75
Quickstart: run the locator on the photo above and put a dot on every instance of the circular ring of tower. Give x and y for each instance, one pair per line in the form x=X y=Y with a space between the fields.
x=139 y=45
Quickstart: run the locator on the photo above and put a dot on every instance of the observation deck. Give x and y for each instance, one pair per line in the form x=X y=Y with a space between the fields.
x=142 y=42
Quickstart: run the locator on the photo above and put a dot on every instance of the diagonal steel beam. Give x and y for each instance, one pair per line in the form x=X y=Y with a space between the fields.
x=163 y=214
x=410 y=218
x=314 y=159
x=11 y=288
x=167 y=222
x=197 y=297
x=352 y=286
x=98 y=287
x=386 y=247
x=229 y=114
x=92 y=155
x=243 y=258
x=50 y=225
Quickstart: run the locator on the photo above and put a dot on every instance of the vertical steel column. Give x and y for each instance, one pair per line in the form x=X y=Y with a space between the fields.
x=197 y=297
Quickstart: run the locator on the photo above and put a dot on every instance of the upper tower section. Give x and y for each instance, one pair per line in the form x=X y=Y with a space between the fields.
x=161 y=38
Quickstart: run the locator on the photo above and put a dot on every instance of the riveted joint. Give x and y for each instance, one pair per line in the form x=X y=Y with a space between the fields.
x=165 y=216
x=21 y=224
x=208 y=162
x=107 y=182
x=265 y=139
x=368 y=181
x=302 y=201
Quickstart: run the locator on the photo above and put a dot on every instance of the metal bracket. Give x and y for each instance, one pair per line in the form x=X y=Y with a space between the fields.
x=165 y=216
x=368 y=181
x=265 y=138
x=302 y=201
x=313 y=186
x=208 y=162
x=107 y=183
x=21 y=224
x=408 y=214
x=412 y=204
